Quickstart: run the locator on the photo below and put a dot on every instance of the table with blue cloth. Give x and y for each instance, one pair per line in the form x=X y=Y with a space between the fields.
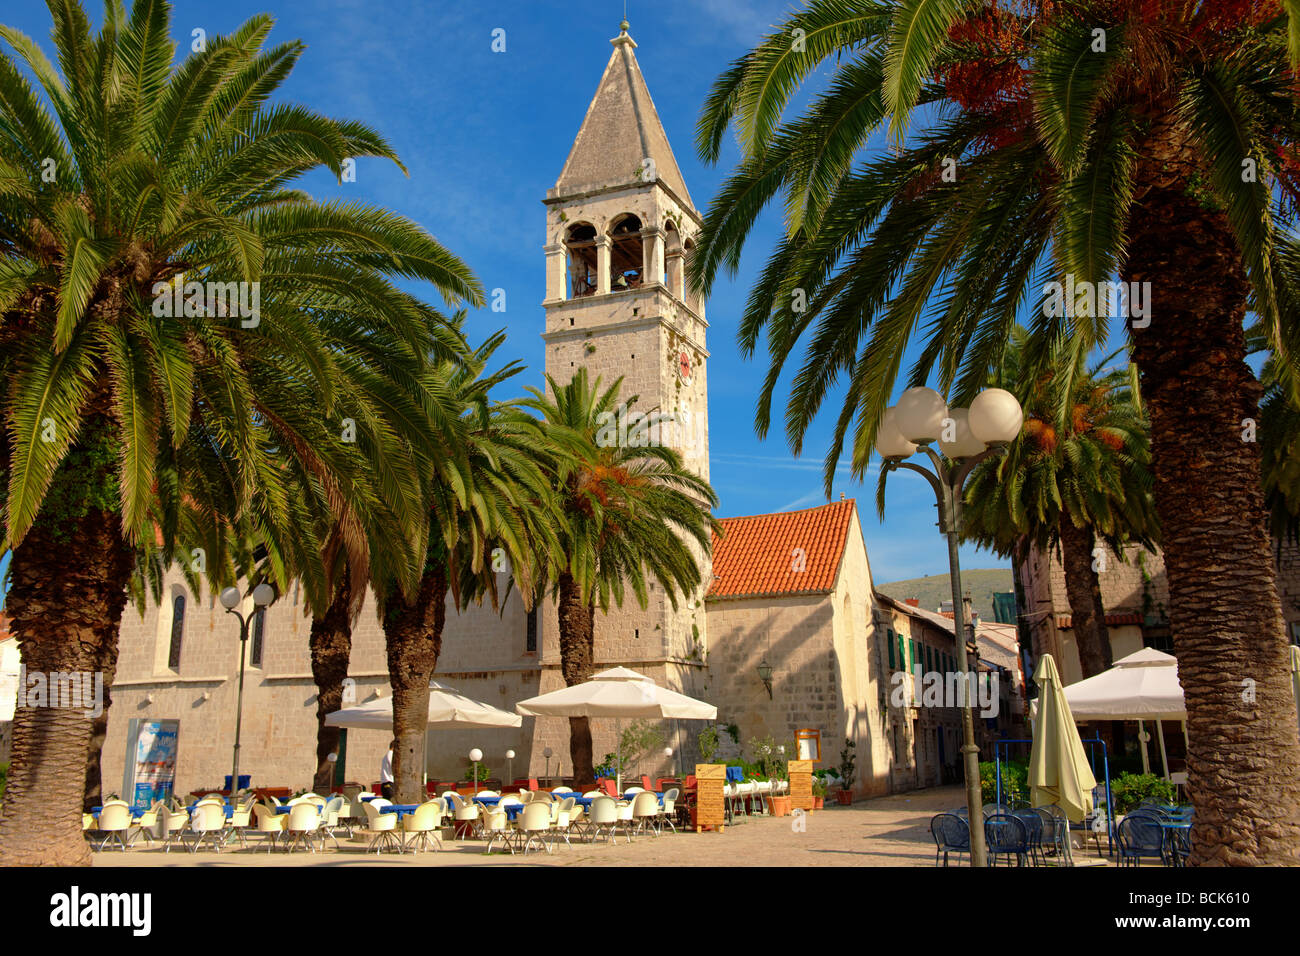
x=735 y=775
x=229 y=810
x=136 y=812
x=401 y=809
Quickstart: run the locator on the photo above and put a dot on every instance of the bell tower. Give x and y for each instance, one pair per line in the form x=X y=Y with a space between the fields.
x=620 y=228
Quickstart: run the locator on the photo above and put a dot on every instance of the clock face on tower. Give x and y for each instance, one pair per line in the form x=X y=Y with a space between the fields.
x=684 y=366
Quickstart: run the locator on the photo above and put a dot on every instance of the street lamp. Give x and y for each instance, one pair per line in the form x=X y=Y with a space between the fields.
x=765 y=675
x=510 y=764
x=965 y=437
x=672 y=767
x=263 y=597
x=547 y=754
x=475 y=756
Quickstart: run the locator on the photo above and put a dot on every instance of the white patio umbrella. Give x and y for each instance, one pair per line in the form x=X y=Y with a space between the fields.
x=1142 y=686
x=448 y=709
x=1058 y=765
x=617 y=692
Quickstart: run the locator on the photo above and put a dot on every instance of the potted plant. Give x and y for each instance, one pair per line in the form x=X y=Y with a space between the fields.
x=844 y=796
x=819 y=792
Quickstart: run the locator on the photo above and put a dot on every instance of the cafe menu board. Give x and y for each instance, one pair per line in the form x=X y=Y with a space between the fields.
x=710 y=808
x=150 y=773
x=801 y=795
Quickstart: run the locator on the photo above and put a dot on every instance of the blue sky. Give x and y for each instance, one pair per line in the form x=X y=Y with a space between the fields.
x=485 y=134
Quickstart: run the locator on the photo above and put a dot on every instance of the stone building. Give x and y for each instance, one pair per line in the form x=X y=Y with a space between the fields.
x=794 y=590
x=1135 y=594
x=924 y=736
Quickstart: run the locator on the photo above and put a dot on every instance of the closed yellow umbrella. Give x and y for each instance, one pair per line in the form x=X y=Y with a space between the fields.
x=1295 y=678
x=1058 y=765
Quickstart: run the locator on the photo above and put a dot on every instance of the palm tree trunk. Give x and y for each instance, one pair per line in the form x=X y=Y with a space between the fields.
x=107 y=664
x=67 y=593
x=413 y=634
x=1225 y=614
x=331 y=651
x=1087 y=614
x=577 y=655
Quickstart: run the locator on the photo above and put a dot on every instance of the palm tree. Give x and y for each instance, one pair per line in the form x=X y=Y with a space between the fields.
x=1031 y=140
x=631 y=512
x=1068 y=486
x=147 y=189
x=485 y=494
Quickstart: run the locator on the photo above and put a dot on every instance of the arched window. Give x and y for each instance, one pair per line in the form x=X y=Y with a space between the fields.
x=627 y=254
x=258 y=638
x=580 y=241
x=178 y=632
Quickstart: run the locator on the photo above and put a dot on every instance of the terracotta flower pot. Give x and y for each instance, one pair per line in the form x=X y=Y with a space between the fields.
x=819 y=803
x=778 y=806
x=844 y=797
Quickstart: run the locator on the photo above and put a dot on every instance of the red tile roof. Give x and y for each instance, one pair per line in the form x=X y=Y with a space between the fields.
x=1112 y=620
x=793 y=552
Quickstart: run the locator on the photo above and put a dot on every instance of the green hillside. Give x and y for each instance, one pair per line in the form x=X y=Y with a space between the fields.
x=935 y=589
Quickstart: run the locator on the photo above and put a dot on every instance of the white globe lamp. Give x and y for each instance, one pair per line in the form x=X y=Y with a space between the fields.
x=964 y=444
x=230 y=598
x=890 y=442
x=996 y=417
x=920 y=414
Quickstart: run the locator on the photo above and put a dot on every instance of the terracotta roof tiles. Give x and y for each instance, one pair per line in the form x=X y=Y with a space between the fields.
x=792 y=552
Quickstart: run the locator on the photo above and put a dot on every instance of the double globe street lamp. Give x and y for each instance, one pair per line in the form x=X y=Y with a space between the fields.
x=263 y=597
x=966 y=436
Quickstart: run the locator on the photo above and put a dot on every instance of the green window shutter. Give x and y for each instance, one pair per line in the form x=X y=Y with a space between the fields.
x=902 y=656
x=889 y=640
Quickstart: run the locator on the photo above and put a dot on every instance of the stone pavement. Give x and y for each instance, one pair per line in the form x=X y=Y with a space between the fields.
x=886 y=831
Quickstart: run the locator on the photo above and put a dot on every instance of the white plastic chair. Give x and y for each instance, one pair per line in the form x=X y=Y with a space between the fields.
x=330 y=820
x=494 y=823
x=533 y=824
x=424 y=823
x=207 y=823
x=602 y=817
x=114 y=822
x=668 y=809
x=269 y=823
x=304 y=823
x=645 y=813
x=177 y=821
x=563 y=819
x=382 y=829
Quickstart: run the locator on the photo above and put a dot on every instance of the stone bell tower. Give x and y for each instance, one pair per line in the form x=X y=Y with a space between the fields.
x=620 y=228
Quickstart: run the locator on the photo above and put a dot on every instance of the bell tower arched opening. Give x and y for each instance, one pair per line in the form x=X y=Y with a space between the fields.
x=580 y=247
x=627 y=254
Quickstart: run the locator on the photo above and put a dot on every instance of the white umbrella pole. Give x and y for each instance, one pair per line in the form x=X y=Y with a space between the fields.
x=1143 y=737
x=1164 y=759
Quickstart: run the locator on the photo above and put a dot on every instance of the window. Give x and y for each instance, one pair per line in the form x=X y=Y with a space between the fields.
x=530 y=637
x=258 y=638
x=178 y=632
x=902 y=654
x=581 y=244
x=889 y=641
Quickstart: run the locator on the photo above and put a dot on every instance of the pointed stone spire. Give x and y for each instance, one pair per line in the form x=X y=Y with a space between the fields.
x=621 y=130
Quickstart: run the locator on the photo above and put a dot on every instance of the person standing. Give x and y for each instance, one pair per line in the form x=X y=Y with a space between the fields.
x=386 y=773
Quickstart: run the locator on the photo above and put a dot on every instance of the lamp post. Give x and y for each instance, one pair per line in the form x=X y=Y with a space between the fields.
x=510 y=764
x=965 y=437
x=547 y=752
x=672 y=765
x=475 y=756
x=263 y=596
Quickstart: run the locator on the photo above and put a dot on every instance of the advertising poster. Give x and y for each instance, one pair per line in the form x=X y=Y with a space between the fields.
x=151 y=761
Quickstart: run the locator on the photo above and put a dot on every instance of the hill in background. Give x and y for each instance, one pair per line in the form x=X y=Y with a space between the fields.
x=934 y=589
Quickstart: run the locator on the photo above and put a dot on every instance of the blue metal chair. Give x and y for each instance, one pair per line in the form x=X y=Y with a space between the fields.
x=1140 y=837
x=951 y=835
x=1033 y=834
x=1056 y=833
x=1006 y=835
